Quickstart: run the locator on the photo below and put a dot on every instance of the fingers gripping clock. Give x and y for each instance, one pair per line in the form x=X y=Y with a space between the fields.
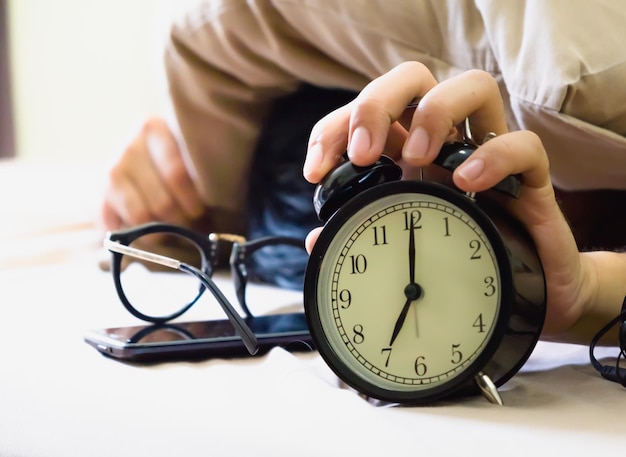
x=475 y=284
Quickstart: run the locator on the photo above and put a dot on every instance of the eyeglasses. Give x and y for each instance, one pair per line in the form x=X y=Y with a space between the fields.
x=160 y=300
x=613 y=373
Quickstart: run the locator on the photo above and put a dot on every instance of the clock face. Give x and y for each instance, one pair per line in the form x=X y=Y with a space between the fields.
x=408 y=290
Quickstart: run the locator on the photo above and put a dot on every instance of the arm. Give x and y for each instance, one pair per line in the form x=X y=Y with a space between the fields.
x=608 y=270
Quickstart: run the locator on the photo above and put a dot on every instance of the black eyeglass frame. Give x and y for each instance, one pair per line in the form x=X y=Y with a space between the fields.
x=118 y=242
x=240 y=251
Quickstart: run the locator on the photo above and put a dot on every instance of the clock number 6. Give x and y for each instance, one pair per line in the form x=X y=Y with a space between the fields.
x=420 y=366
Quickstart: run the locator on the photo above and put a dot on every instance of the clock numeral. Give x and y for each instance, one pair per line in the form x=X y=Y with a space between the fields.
x=446 y=226
x=386 y=352
x=380 y=235
x=359 y=264
x=479 y=324
x=345 y=297
x=475 y=245
x=457 y=355
x=420 y=366
x=491 y=288
x=359 y=336
x=411 y=219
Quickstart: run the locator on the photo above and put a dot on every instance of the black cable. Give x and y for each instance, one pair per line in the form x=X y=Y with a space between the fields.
x=612 y=373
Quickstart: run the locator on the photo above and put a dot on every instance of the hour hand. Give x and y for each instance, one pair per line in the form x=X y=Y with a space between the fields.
x=412 y=292
x=400 y=321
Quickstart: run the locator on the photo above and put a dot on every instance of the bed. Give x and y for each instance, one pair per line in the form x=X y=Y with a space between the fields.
x=60 y=397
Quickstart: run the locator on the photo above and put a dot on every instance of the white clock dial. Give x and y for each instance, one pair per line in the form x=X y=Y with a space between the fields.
x=409 y=325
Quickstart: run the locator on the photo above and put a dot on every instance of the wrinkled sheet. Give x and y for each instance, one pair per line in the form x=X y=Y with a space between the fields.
x=59 y=397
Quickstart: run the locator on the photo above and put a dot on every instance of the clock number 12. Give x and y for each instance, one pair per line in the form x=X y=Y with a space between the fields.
x=412 y=219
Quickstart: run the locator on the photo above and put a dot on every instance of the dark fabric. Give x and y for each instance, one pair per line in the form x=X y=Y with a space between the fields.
x=281 y=200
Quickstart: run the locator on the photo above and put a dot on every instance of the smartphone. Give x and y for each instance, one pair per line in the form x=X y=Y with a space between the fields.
x=200 y=340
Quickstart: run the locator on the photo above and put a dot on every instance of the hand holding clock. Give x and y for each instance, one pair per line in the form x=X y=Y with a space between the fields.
x=585 y=290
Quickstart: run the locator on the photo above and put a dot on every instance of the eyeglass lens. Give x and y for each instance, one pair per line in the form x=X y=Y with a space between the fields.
x=159 y=292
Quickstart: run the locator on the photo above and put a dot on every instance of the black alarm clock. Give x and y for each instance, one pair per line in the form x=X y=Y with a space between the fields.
x=416 y=291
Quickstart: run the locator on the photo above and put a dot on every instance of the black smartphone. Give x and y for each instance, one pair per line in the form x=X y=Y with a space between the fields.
x=200 y=340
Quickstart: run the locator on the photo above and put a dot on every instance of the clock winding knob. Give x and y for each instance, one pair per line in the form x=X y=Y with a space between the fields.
x=347 y=180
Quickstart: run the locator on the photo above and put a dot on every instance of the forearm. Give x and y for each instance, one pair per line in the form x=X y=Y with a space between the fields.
x=606 y=291
x=219 y=120
x=222 y=85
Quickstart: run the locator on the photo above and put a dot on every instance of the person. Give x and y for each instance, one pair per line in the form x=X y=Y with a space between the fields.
x=519 y=70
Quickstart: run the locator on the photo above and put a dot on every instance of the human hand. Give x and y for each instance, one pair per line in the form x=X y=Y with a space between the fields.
x=150 y=182
x=377 y=121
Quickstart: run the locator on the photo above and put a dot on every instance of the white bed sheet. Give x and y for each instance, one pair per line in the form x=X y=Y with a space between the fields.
x=59 y=397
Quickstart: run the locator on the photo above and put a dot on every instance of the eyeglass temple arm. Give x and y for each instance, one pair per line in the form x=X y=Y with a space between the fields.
x=248 y=337
x=116 y=246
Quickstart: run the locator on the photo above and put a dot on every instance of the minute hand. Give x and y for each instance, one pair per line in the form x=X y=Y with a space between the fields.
x=409 y=297
x=411 y=254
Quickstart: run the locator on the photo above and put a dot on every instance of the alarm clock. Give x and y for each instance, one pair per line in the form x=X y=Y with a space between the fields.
x=416 y=291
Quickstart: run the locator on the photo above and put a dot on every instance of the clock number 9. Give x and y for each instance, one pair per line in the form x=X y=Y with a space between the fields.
x=345 y=297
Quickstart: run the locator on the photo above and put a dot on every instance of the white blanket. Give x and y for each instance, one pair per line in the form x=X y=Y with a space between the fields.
x=59 y=397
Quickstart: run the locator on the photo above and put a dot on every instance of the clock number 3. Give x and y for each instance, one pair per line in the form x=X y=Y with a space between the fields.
x=489 y=286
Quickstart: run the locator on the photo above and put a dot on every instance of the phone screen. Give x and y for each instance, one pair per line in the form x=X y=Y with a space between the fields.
x=201 y=339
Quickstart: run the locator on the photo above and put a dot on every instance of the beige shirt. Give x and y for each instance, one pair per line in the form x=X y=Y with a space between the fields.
x=560 y=64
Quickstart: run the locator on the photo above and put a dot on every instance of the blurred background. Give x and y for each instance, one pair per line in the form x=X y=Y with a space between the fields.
x=78 y=76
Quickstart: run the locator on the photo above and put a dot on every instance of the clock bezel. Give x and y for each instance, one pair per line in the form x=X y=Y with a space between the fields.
x=507 y=292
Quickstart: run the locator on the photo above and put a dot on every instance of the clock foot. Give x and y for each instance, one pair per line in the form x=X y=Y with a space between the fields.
x=488 y=388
